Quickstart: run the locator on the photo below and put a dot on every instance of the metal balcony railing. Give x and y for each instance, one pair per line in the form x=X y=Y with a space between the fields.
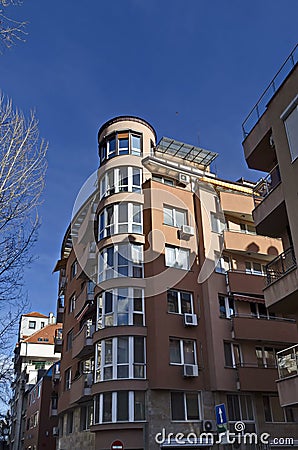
x=281 y=265
x=265 y=185
x=261 y=104
x=287 y=362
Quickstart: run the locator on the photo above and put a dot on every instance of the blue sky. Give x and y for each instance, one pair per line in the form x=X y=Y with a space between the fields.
x=192 y=68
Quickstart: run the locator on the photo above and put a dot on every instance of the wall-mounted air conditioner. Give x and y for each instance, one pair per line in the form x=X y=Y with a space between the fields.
x=209 y=426
x=190 y=370
x=183 y=179
x=186 y=231
x=190 y=320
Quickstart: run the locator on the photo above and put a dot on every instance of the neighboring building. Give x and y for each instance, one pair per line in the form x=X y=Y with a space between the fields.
x=41 y=415
x=160 y=325
x=271 y=145
x=34 y=354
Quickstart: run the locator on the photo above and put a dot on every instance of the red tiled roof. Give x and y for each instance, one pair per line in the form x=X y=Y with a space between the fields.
x=36 y=314
x=47 y=332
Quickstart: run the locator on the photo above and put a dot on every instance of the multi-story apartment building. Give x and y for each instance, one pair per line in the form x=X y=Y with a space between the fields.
x=34 y=354
x=271 y=145
x=41 y=414
x=161 y=278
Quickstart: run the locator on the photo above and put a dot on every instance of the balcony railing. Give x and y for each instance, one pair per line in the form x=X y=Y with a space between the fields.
x=261 y=104
x=287 y=362
x=280 y=266
x=266 y=185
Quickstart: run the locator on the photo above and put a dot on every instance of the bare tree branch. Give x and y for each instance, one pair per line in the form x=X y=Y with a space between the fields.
x=22 y=174
x=11 y=30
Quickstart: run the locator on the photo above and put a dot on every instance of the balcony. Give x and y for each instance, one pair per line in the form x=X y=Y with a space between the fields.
x=58 y=341
x=287 y=384
x=255 y=378
x=60 y=310
x=81 y=388
x=282 y=282
x=87 y=295
x=258 y=146
x=272 y=329
x=83 y=343
x=251 y=243
x=232 y=203
x=245 y=283
x=270 y=215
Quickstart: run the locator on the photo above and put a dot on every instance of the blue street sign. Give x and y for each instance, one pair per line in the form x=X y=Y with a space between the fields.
x=221 y=416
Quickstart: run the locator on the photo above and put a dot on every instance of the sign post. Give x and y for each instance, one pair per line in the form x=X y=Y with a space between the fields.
x=117 y=445
x=221 y=418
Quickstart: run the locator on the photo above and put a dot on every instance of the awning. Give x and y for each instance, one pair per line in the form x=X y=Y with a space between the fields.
x=248 y=298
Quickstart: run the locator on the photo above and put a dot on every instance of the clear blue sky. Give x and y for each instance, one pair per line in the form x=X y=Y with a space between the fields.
x=85 y=62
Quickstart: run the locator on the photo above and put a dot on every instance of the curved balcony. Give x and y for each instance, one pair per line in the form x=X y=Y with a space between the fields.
x=81 y=388
x=252 y=243
x=82 y=344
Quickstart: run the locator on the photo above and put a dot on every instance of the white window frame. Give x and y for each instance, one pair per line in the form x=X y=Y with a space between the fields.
x=134 y=259
x=173 y=213
x=223 y=265
x=106 y=190
x=181 y=350
x=131 y=407
x=290 y=119
x=179 y=300
x=114 y=365
x=186 y=419
x=131 y=312
x=229 y=312
x=243 y=417
x=105 y=144
x=284 y=409
x=265 y=364
x=67 y=383
x=72 y=303
x=252 y=270
x=177 y=253
x=108 y=228
x=232 y=346
x=244 y=228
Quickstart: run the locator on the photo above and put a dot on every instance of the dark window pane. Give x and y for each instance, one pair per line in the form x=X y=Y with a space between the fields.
x=173 y=301
x=177 y=405
x=107 y=407
x=122 y=406
x=192 y=406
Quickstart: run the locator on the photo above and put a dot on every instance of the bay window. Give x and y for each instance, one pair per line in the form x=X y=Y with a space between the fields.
x=120 y=179
x=121 y=406
x=121 y=306
x=122 y=357
x=122 y=143
x=120 y=218
x=120 y=260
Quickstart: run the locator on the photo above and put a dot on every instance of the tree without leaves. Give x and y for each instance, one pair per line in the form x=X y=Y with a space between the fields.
x=11 y=30
x=22 y=174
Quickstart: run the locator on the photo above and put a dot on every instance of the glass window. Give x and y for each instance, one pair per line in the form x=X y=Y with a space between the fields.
x=121 y=179
x=123 y=143
x=272 y=410
x=124 y=357
x=120 y=260
x=177 y=257
x=120 y=218
x=226 y=307
x=240 y=407
x=232 y=355
x=185 y=406
x=174 y=217
x=67 y=385
x=291 y=125
x=136 y=145
x=121 y=306
x=182 y=351
x=32 y=324
x=121 y=406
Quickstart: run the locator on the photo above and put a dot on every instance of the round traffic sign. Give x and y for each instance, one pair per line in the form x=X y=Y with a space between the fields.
x=117 y=445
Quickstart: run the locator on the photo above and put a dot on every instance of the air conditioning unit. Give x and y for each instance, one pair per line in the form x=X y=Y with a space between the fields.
x=55 y=431
x=186 y=231
x=190 y=370
x=209 y=426
x=190 y=320
x=183 y=179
